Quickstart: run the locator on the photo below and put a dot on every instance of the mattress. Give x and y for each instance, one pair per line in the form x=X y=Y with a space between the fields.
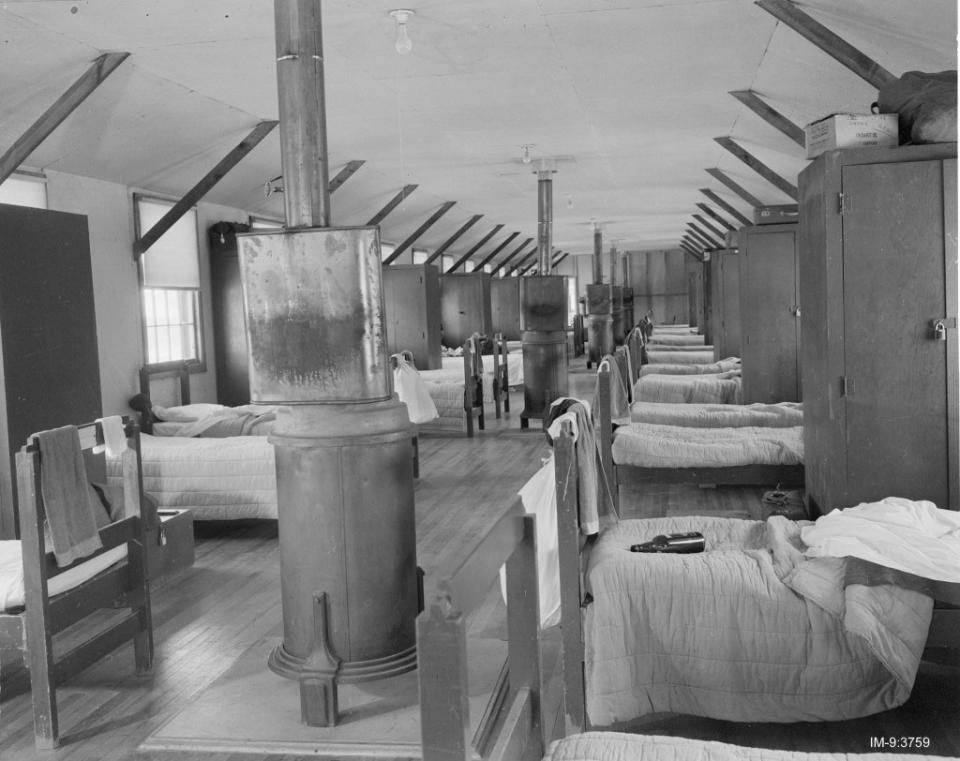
x=650 y=445
x=621 y=746
x=721 y=634
x=514 y=369
x=720 y=388
x=215 y=478
x=679 y=368
x=11 y=573
x=780 y=415
x=665 y=356
x=451 y=371
x=676 y=339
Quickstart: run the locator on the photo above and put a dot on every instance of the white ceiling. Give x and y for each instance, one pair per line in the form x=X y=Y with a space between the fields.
x=626 y=94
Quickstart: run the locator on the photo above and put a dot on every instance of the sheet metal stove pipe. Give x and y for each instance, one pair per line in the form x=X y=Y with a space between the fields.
x=543 y=316
x=313 y=304
x=599 y=319
x=616 y=300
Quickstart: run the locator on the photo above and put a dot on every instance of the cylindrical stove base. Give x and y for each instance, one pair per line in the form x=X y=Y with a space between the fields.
x=545 y=371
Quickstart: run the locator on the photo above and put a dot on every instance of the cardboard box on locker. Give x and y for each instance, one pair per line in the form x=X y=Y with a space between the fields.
x=851 y=131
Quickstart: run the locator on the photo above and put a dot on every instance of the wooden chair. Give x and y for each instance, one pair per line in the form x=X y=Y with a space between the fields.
x=122 y=585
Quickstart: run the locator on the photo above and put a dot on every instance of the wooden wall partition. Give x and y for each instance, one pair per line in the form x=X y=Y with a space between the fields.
x=659 y=281
x=465 y=307
x=878 y=272
x=725 y=302
x=505 y=307
x=770 y=313
x=48 y=332
x=412 y=312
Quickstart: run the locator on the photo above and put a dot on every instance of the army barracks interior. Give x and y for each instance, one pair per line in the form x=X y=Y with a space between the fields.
x=518 y=379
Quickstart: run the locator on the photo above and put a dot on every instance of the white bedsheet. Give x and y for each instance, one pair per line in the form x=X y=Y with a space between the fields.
x=514 y=368
x=679 y=368
x=620 y=746
x=11 y=573
x=451 y=372
x=722 y=388
x=780 y=415
x=215 y=478
x=912 y=536
x=665 y=356
x=676 y=339
x=650 y=445
x=720 y=634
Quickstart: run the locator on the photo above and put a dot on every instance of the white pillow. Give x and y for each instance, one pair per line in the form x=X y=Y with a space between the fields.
x=187 y=413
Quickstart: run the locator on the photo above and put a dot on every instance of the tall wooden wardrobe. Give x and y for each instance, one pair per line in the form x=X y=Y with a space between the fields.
x=411 y=296
x=230 y=352
x=505 y=307
x=48 y=335
x=770 y=313
x=878 y=279
x=465 y=307
x=725 y=302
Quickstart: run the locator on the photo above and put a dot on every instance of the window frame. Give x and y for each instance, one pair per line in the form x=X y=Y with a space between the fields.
x=197 y=364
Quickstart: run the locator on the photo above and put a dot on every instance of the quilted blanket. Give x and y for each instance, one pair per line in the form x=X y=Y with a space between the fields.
x=216 y=479
x=675 y=339
x=671 y=446
x=619 y=746
x=723 y=634
x=780 y=415
x=664 y=355
x=722 y=388
x=672 y=368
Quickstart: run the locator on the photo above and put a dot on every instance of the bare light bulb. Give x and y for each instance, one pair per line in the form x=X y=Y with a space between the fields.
x=525 y=154
x=403 y=44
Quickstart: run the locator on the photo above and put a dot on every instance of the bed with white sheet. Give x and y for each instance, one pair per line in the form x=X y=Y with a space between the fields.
x=678 y=355
x=754 y=629
x=215 y=478
x=778 y=415
x=707 y=388
x=722 y=366
x=622 y=746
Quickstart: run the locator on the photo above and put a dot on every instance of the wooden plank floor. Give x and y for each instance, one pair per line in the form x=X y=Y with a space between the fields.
x=207 y=616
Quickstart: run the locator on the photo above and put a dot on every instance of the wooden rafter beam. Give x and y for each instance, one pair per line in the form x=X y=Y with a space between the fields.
x=198 y=191
x=475 y=248
x=704 y=237
x=62 y=107
x=489 y=257
x=758 y=166
x=732 y=184
x=522 y=261
x=560 y=258
x=702 y=220
x=453 y=238
x=506 y=259
x=831 y=44
x=415 y=235
x=689 y=250
x=693 y=243
x=725 y=206
x=713 y=215
x=391 y=205
x=344 y=174
x=770 y=115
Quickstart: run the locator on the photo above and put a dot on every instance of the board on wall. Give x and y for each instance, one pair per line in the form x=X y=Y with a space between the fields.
x=48 y=330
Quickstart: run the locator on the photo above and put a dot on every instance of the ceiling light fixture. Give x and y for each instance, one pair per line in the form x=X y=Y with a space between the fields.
x=525 y=152
x=403 y=43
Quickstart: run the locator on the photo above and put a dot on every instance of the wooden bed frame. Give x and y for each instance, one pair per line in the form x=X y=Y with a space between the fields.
x=512 y=726
x=123 y=585
x=786 y=476
x=472 y=387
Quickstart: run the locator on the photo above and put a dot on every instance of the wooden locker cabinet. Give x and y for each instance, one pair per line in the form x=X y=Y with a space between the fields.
x=725 y=302
x=49 y=360
x=465 y=307
x=505 y=307
x=878 y=266
x=770 y=313
x=230 y=352
x=411 y=296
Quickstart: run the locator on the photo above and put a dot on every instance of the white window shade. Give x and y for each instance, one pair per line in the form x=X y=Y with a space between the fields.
x=171 y=262
x=24 y=191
